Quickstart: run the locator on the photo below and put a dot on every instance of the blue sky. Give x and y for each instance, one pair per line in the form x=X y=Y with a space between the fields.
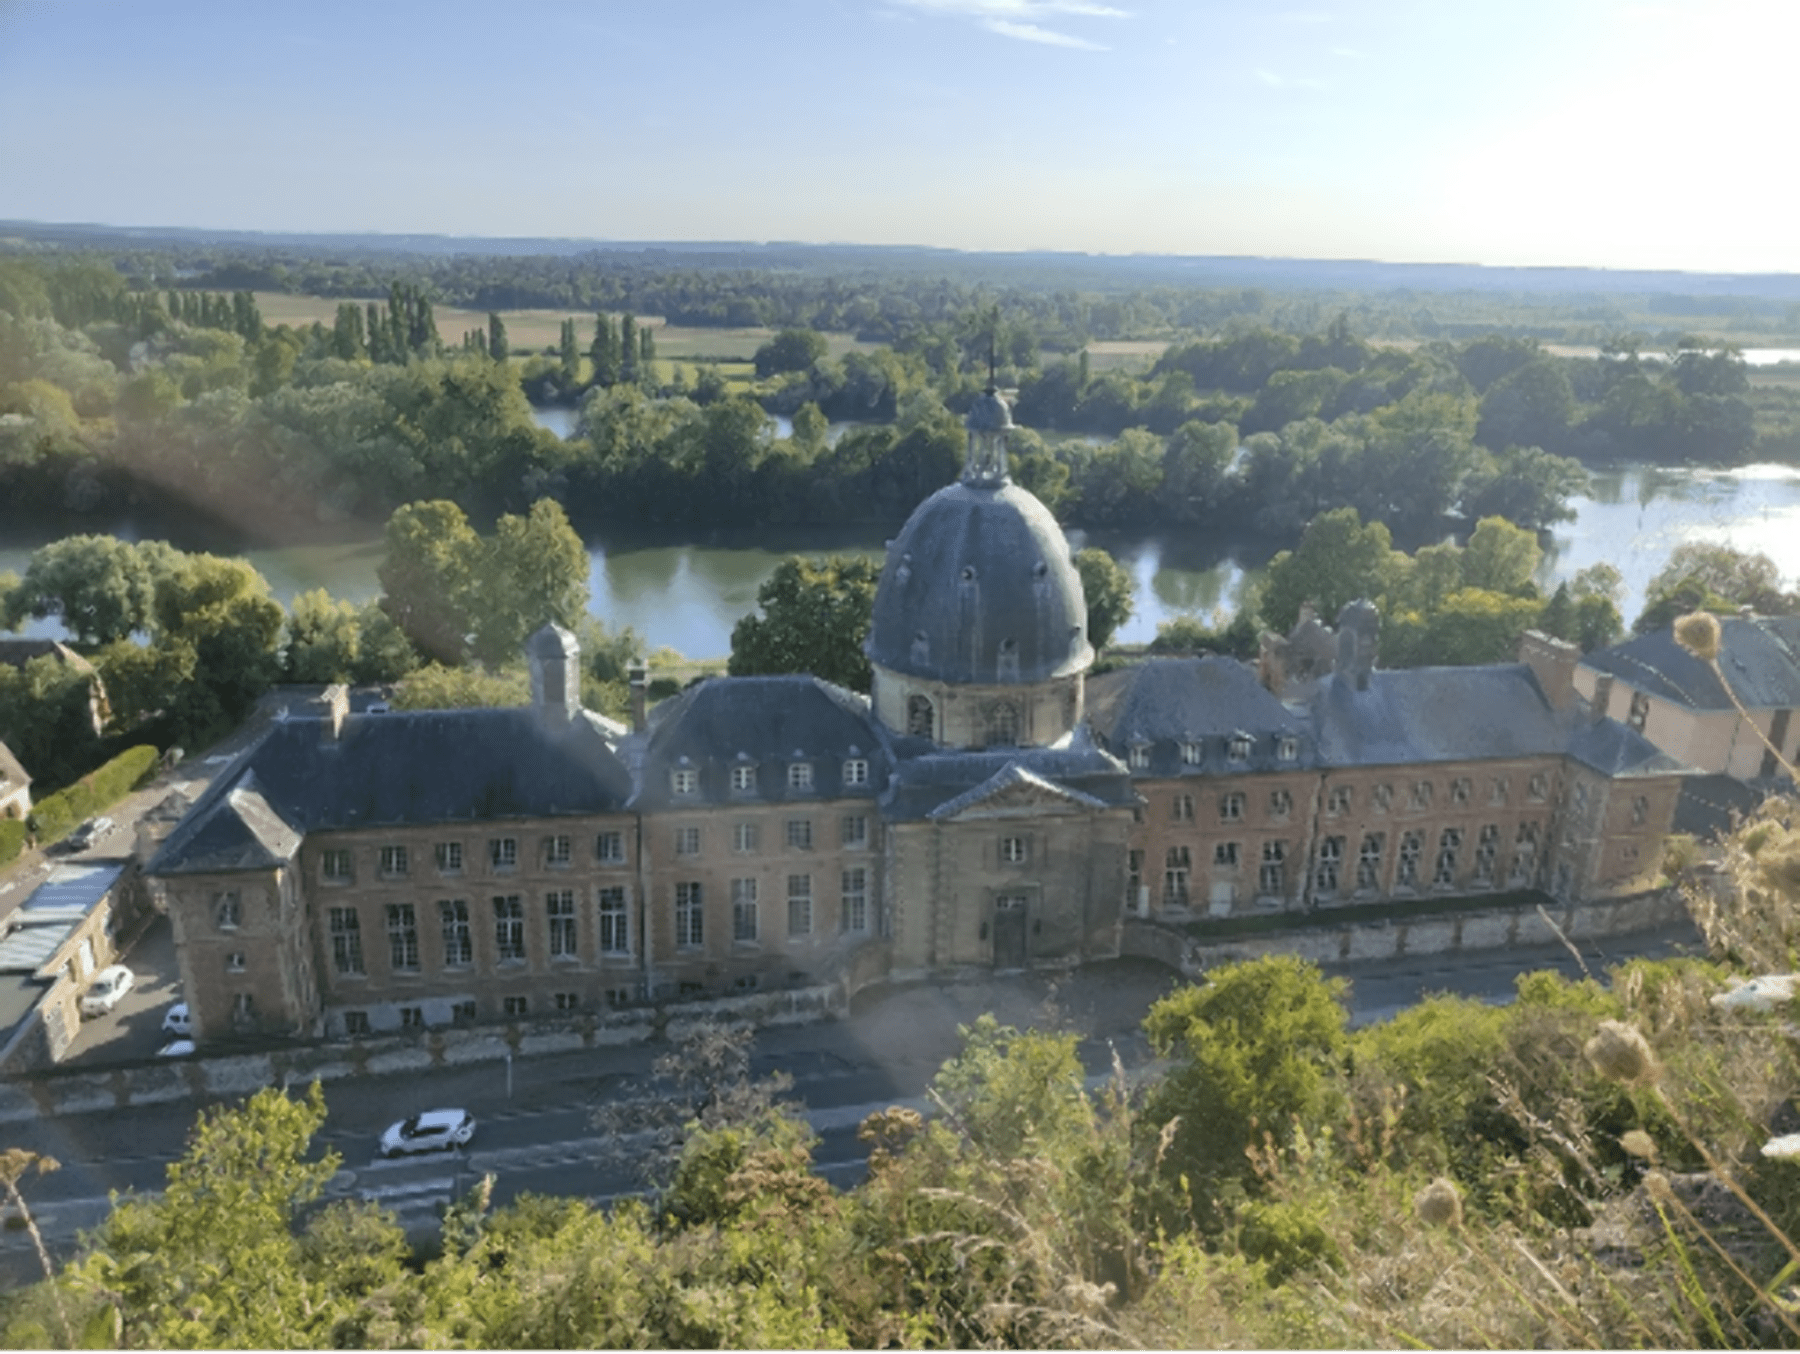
x=1582 y=132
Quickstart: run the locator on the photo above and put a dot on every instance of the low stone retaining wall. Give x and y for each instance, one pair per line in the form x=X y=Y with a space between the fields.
x=1354 y=941
x=62 y=1091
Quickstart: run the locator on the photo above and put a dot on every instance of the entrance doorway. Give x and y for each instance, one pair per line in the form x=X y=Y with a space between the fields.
x=1009 y=931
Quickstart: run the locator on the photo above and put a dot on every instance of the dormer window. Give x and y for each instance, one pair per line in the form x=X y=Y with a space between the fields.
x=800 y=775
x=1240 y=747
x=856 y=771
x=1288 y=749
x=684 y=780
x=1191 y=752
x=1139 y=757
x=743 y=778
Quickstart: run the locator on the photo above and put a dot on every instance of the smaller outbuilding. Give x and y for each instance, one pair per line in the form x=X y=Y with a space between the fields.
x=54 y=944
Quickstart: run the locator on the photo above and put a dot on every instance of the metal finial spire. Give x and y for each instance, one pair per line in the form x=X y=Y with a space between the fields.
x=993 y=362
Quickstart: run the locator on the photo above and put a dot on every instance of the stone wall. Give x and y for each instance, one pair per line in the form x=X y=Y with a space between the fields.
x=78 y=1091
x=1495 y=929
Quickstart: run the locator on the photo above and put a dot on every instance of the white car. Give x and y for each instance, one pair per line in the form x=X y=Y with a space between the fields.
x=109 y=985
x=87 y=834
x=178 y=1021
x=432 y=1131
x=176 y=1048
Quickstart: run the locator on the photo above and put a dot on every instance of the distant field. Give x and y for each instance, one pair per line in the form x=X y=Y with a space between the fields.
x=529 y=330
x=1125 y=354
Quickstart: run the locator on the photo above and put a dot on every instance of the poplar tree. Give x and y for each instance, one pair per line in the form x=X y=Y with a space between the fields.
x=497 y=346
x=646 y=355
x=571 y=355
x=605 y=352
x=629 y=368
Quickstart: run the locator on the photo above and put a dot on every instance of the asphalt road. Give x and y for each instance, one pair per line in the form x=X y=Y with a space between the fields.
x=535 y=1130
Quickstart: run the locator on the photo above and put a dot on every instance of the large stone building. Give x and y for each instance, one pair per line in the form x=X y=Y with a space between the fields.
x=981 y=809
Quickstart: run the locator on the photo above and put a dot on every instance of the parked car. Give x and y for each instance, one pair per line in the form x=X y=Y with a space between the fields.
x=87 y=834
x=109 y=985
x=176 y=1048
x=177 y=1021
x=432 y=1131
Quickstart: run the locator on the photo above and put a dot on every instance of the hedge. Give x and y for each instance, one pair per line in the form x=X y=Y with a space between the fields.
x=12 y=839
x=55 y=814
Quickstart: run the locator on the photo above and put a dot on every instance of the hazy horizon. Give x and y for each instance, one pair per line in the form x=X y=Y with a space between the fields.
x=1613 y=135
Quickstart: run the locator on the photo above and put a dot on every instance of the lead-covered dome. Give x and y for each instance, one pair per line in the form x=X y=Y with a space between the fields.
x=979 y=588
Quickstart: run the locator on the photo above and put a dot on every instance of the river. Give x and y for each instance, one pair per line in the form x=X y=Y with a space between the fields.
x=688 y=596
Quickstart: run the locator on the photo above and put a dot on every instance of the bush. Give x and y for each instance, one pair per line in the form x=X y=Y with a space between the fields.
x=56 y=814
x=12 y=839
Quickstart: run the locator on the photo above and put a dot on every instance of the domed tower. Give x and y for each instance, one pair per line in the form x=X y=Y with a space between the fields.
x=979 y=633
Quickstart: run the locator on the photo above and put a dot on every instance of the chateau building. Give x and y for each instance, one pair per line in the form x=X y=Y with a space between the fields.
x=985 y=807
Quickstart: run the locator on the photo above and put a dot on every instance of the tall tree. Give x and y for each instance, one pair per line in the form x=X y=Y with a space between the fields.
x=604 y=353
x=497 y=346
x=815 y=616
x=1110 y=592
x=571 y=356
x=630 y=364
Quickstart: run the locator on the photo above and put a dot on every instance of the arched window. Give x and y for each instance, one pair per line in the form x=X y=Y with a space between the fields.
x=919 y=720
x=1003 y=725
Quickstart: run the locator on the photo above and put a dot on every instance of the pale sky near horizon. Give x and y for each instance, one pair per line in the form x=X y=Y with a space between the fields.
x=1605 y=133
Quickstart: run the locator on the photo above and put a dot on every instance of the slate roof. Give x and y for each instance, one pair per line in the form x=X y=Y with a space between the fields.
x=402 y=768
x=1759 y=655
x=1615 y=749
x=939 y=782
x=1435 y=715
x=1708 y=804
x=768 y=722
x=979 y=587
x=1167 y=702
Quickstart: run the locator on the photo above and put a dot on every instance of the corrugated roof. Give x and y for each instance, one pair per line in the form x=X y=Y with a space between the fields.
x=72 y=888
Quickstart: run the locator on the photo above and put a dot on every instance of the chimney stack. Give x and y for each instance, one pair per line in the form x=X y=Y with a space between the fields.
x=1603 y=685
x=1552 y=661
x=1358 y=634
x=637 y=675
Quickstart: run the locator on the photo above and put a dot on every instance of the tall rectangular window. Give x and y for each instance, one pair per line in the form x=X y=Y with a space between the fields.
x=855 y=895
x=1368 y=862
x=559 y=850
x=1231 y=807
x=403 y=938
x=689 y=918
x=853 y=831
x=799 y=899
x=1338 y=801
x=799 y=834
x=1412 y=847
x=346 y=940
x=609 y=848
x=743 y=910
x=449 y=857
x=1271 y=875
x=1524 y=866
x=1331 y=859
x=509 y=928
x=503 y=853
x=559 y=913
x=393 y=861
x=1225 y=856
x=1448 y=845
x=334 y=866
x=1177 y=866
x=1381 y=797
x=687 y=841
x=459 y=943
x=744 y=838
x=1281 y=804
x=1486 y=848
x=1181 y=808
x=1134 y=875
x=615 y=934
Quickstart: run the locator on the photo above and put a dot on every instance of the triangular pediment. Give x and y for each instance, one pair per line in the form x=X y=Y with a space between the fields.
x=1014 y=792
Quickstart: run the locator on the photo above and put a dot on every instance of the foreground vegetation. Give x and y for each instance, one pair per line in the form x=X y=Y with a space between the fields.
x=1585 y=1167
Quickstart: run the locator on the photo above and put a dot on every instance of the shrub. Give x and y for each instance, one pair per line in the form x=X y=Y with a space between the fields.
x=56 y=814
